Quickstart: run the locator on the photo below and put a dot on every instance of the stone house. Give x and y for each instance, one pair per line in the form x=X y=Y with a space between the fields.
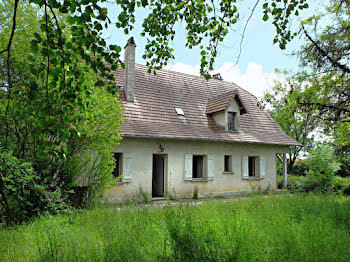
x=182 y=133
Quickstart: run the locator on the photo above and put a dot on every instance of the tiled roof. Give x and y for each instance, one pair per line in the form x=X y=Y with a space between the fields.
x=221 y=102
x=153 y=113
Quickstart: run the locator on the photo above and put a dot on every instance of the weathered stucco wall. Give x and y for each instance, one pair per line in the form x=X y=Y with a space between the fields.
x=143 y=150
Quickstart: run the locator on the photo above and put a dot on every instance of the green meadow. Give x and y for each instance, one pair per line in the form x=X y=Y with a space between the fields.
x=256 y=228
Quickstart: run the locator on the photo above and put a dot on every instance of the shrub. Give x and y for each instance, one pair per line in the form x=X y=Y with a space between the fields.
x=322 y=166
x=92 y=170
x=300 y=168
x=299 y=183
x=341 y=185
x=21 y=194
x=344 y=170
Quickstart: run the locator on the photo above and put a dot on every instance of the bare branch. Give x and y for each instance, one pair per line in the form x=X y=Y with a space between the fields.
x=335 y=63
x=9 y=76
x=245 y=28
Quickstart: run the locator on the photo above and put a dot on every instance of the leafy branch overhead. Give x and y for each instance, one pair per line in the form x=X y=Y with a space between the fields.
x=68 y=43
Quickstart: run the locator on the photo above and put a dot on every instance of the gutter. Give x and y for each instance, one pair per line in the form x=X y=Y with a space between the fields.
x=209 y=140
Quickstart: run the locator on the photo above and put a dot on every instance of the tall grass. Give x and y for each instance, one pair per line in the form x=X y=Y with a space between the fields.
x=284 y=228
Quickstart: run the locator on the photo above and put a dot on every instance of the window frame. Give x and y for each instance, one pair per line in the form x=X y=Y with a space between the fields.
x=227 y=163
x=195 y=159
x=254 y=163
x=232 y=121
x=119 y=169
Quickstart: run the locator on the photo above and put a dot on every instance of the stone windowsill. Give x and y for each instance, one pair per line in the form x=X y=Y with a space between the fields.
x=227 y=173
x=199 y=180
x=253 y=178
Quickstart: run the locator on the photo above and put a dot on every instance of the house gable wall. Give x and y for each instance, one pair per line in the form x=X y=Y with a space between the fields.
x=222 y=184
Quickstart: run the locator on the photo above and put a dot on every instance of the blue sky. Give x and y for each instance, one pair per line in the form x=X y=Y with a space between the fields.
x=259 y=58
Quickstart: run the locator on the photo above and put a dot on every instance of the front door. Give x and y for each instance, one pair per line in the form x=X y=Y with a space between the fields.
x=158 y=176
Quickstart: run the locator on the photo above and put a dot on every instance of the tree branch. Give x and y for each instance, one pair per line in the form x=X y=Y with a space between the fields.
x=325 y=54
x=245 y=27
x=9 y=76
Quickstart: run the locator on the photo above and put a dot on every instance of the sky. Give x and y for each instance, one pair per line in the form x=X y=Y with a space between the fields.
x=255 y=70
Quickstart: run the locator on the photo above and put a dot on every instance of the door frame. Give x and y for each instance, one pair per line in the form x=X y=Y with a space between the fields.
x=165 y=172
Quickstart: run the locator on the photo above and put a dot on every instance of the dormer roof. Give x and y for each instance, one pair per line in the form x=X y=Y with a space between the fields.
x=223 y=101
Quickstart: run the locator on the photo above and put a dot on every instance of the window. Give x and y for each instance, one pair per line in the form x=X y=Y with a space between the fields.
x=228 y=163
x=252 y=166
x=197 y=167
x=232 y=121
x=179 y=111
x=118 y=165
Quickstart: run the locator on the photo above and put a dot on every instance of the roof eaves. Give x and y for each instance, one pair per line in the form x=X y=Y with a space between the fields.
x=210 y=140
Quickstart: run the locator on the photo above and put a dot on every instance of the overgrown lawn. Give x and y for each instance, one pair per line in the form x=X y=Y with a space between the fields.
x=281 y=228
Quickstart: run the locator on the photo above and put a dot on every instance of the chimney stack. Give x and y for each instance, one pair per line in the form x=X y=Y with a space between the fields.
x=129 y=76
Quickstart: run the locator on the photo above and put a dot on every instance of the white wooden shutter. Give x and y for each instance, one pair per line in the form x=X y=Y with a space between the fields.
x=245 y=173
x=128 y=160
x=188 y=167
x=210 y=166
x=262 y=166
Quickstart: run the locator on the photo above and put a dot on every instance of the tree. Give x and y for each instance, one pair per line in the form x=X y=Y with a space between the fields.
x=326 y=56
x=85 y=20
x=298 y=122
x=324 y=81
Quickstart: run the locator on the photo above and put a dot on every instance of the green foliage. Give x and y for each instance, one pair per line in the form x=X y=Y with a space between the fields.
x=190 y=243
x=322 y=163
x=21 y=194
x=57 y=104
x=325 y=61
x=307 y=184
x=341 y=144
x=195 y=193
x=92 y=161
x=281 y=12
x=282 y=228
x=298 y=122
x=327 y=39
x=56 y=114
x=320 y=169
x=341 y=185
x=300 y=168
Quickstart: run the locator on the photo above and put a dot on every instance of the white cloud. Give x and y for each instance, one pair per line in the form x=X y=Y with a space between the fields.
x=183 y=68
x=254 y=79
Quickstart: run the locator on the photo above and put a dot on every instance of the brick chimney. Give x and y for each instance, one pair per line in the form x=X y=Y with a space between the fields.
x=129 y=76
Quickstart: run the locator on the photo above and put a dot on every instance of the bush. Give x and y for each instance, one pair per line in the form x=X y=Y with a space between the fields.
x=21 y=194
x=322 y=166
x=299 y=183
x=300 y=168
x=341 y=185
x=344 y=170
x=311 y=183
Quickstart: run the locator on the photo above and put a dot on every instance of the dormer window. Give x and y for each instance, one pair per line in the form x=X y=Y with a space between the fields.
x=226 y=110
x=231 y=121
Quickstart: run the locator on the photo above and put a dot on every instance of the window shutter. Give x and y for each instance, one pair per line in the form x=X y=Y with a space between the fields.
x=245 y=173
x=188 y=167
x=210 y=166
x=262 y=166
x=128 y=159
